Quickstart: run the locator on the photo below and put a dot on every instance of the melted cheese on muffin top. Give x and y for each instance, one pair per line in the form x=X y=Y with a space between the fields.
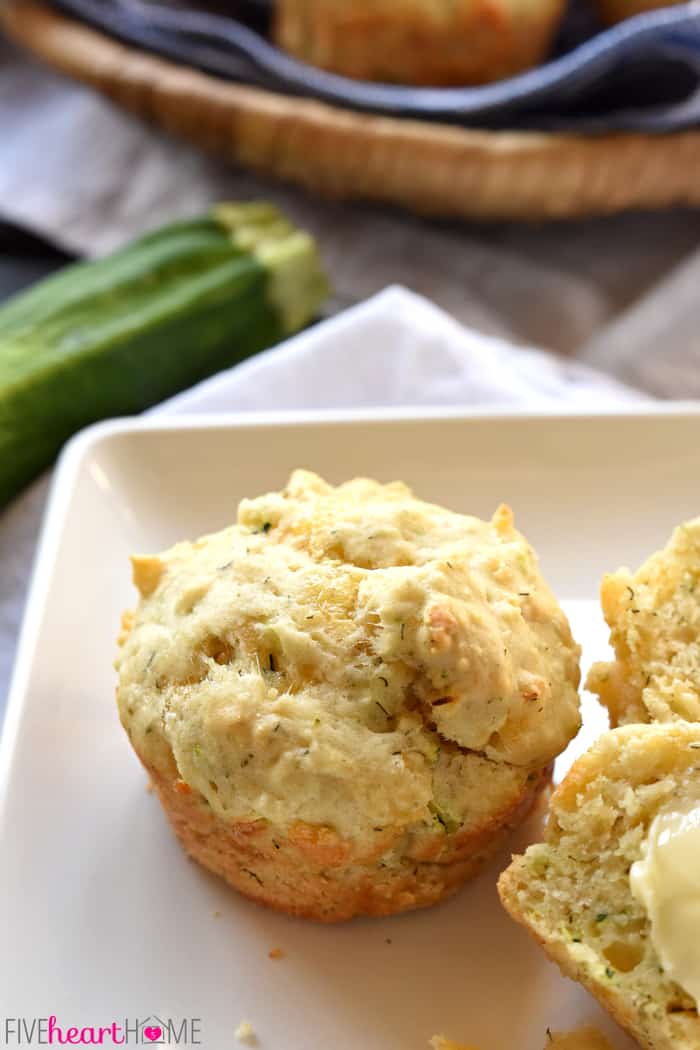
x=351 y=656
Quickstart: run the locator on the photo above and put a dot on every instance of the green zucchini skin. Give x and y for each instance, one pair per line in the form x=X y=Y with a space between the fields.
x=113 y=337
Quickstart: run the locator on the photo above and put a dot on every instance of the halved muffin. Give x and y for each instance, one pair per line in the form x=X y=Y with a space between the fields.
x=348 y=698
x=576 y=892
x=438 y=42
x=654 y=620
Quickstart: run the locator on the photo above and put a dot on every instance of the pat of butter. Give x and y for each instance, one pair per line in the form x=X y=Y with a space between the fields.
x=666 y=881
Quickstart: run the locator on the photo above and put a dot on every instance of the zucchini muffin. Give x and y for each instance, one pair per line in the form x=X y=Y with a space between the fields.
x=654 y=620
x=438 y=42
x=346 y=699
x=581 y=893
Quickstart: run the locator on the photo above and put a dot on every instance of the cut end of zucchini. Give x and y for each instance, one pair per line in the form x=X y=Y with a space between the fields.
x=297 y=285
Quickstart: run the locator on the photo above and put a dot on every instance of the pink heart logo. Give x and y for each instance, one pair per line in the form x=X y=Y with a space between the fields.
x=153 y=1033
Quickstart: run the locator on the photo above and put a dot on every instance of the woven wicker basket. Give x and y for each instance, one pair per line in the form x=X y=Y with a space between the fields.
x=427 y=167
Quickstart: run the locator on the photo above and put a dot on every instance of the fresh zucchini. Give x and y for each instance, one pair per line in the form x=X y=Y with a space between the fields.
x=114 y=336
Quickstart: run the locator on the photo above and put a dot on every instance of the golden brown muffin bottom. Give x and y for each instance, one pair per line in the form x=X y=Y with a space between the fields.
x=312 y=872
x=478 y=42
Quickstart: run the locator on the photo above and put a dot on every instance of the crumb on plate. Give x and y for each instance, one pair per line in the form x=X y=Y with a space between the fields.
x=245 y=1034
x=276 y=953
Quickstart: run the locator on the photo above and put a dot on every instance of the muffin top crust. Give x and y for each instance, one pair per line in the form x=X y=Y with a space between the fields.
x=349 y=656
x=654 y=620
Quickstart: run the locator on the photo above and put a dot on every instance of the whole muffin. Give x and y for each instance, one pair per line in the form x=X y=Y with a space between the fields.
x=438 y=42
x=346 y=699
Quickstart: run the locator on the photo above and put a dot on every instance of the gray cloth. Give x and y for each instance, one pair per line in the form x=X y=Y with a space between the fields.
x=78 y=170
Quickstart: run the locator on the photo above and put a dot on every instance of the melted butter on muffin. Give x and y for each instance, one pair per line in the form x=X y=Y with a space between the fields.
x=349 y=657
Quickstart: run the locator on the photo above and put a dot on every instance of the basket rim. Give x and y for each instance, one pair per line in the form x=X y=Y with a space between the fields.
x=426 y=166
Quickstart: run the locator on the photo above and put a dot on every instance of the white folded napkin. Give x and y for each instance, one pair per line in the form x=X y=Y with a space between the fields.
x=399 y=349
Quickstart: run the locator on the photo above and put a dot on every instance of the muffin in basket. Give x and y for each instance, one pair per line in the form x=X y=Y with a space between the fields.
x=439 y=42
x=347 y=699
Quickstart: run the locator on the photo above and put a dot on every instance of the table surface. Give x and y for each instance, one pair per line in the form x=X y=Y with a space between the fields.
x=619 y=292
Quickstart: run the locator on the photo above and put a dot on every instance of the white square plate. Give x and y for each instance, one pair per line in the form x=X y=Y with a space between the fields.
x=102 y=917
